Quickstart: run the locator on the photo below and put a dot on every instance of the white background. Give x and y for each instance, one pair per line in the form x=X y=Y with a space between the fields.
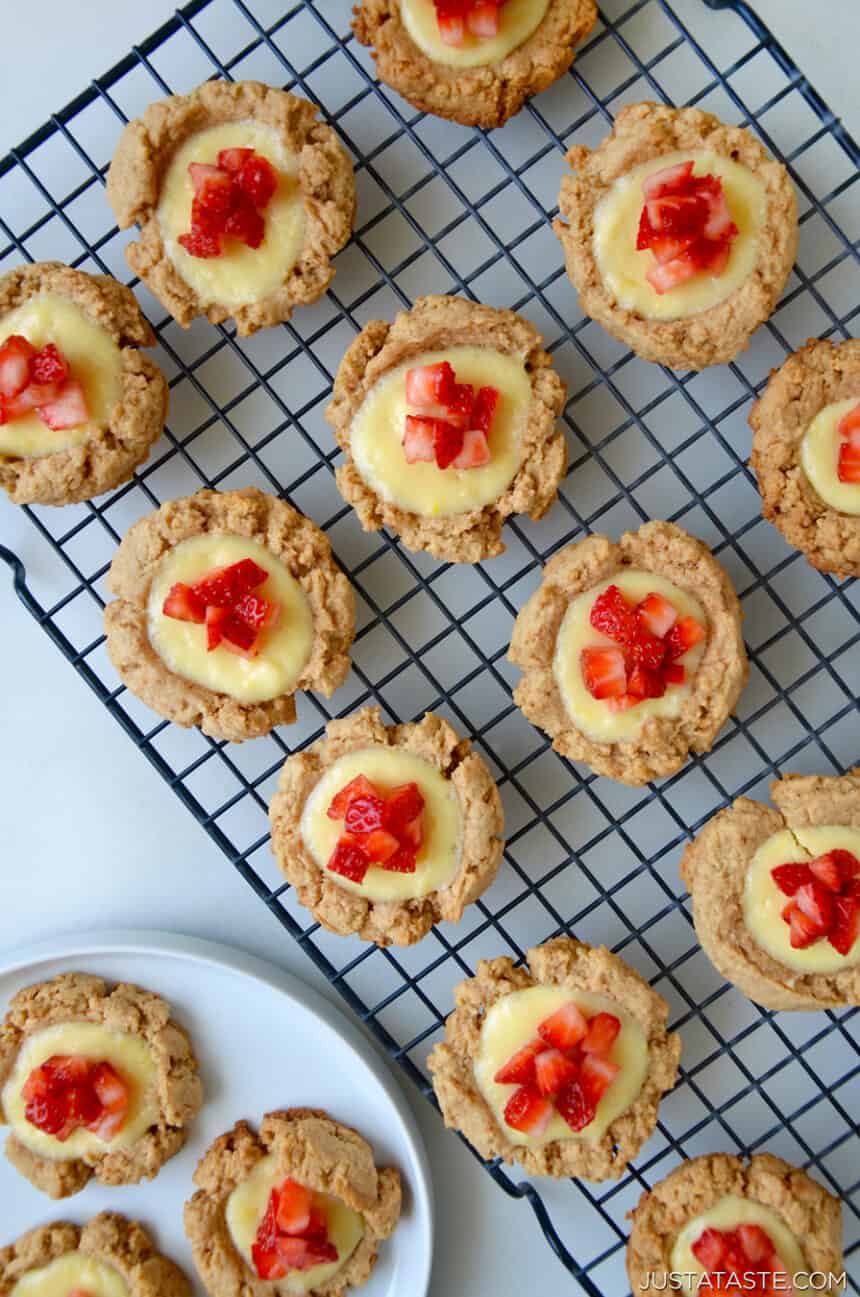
x=91 y=836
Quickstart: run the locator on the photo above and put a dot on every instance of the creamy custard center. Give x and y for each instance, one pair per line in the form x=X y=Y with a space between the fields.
x=519 y=19
x=726 y=1214
x=94 y=359
x=819 y=457
x=616 y=224
x=441 y=849
x=513 y=1021
x=74 y=1270
x=376 y=436
x=286 y=647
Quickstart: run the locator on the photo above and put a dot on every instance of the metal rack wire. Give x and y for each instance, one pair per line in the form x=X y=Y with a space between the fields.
x=447 y=209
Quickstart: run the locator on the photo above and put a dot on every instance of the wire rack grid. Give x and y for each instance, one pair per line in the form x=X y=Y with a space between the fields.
x=442 y=209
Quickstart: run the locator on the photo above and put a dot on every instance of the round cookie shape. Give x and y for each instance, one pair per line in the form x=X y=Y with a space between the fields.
x=310 y=216
x=98 y=326
x=161 y=1061
x=708 y=330
x=806 y=1220
x=457 y=786
x=813 y=814
x=112 y=1256
x=534 y=48
x=317 y=607
x=820 y=375
x=307 y=1146
x=465 y=510
x=455 y=1063
x=718 y=670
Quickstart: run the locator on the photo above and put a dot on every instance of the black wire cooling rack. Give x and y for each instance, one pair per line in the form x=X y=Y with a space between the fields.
x=446 y=209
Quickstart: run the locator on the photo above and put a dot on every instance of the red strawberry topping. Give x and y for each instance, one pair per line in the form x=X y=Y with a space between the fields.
x=379 y=829
x=528 y=1111
x=68 y=1092
x=825 y=900
x=39 y=380
x=228 y=201
x=449 y=423
x=478 y=18
x=686 y=224
x=224 y=601
x=740 y=1260
x=848 y=466
x=292 y=1234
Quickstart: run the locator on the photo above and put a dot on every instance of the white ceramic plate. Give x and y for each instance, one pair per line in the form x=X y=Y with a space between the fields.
x=264 y=1040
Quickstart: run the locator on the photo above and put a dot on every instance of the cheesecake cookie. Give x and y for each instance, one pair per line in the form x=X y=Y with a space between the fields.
x=719 y=1215
x=80 y=404
x=448 y=421
x=301 y=1202
x=108 y=1257
x=776 y=892
x=384 y=830
x=806 y=453
x=242 y=198
x=474 y=63
x=560 y=1068
x=96 y=1082
x=632 y=652
x=226 y=605
x=678 y=233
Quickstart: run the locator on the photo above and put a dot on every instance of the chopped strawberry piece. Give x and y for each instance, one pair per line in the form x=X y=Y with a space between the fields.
x=358 y=787
x=602 y=1033
x=755 y=1243
x=484 y=408
x=528 y=1111
x=452 y=28
x=565 y=1028
x=670 y=274
x=247 y=225
x=257 y=612
x=613 y=615
x=49 y=366
x=447 y=442
x=656 y=614
x=802 y=930
x=847 y=862
x=293 y=1215
x=677 y=215
x=644 y=683
x=789 y=877
x=67 y=1092
x=68 y=409
x=258 y=180
x=604 y=672
x=264 y=1249
x=484 y=20
x=816 y=902
x=520 y=1070
x=113 y=1095
x=719 y=224
x=597 y=1075
x=349 y=860
x=670 y=180
x=380 y=845
x=848 y=425
x=199 y=243
x=205 y=177
x=418 y=443
x=238 y=636
x=428 y=386
x=304 y=1253
x=412 y=833
x=475 y=452
x=709 y=1249
x=826 y=870
x=623 y=703
x=846 y=923
x=402 y=806
x=646 y=650
x=317 y=1226
x=233 y=159
x=674 y=673
x=848 y=467
x=552 y=1071
x=683 y=636
x=575 y=1106
x=15 y=357
x=183 y=604
x=459 y=406
x=404 y=861
x=225 y=586
x=364 y=813
x=215 y=618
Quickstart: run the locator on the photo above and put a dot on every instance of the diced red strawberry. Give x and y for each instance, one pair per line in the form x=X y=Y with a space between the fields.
x=849 y=865
x=677 y=216
x=484 y=20
x=68 y=409
x=683 y=636
x=412 y=833
x=597 y=1075
x=604 y=672
x=183 y=604
x=552 y=1071
x=520 y=1070
x=802 y=930
x=565 y=1028
x=475 y=452
x=204 y=175
x=719 y=223
x=826 y=870
x=602 y=1033
x=789 y=877
x=528 y=1111
x=198 y=243
x=364 y=814
x=816 y=902
x=848 y=466
x=428 y=386
x=293 y=1214
x=644 y=683
x=613 y=615
x=404 y=861
x=755 y=1242
x=709 y=1249
x=484 y=408
x=666 y=249
x=49 y=365
x=225 y=586
x=846 y=923
x=232 y=159
x=574 y=1106
x=304 y=1253
x=264 y=1252
x=402 y=807
x=215 y=618
x=348 y=860
x=258 y=180
x=247 y=225
x=848 y=426
x=113 y=1096
x=656 y=614
x=458 y=408
x=257 y=612
x=447 y=442
x=239 y=637
x=674 y=673
x=358 y=787
x=418 y=443
x=380 y=845
x=670 y=180
x=646 y=650
x=452 y=28
x=665 y=276
x=15 y=357
x=318 y=1225
x=623 y=703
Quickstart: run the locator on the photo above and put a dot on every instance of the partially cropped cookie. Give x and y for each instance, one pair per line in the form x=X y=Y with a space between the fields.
x=474 y=63
x=560 y=1067
x=679 y=233
x=776 y=892
x=108 y=1257
x=298 y=1207
x=226 y=604
x=384 y=830
x=806 y=453
x=96 y=1082
x=736 y=1226
x=448 y=421
x=242 y=198
x=80 y=404
x=632 y=652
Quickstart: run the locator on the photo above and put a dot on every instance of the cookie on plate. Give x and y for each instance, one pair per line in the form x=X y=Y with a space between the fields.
x=632 y=652
x=242 y=198
x=301 y=1202
x=96 y=1082
x=108 y=1257
x=806 y=453
x=226 y=605
x=679 y=233
x=474 y=63
x=776 y=893
x=384 y=830
x=561 y=1067
x=448 y=421
x=719 y=1213
x=80 y=404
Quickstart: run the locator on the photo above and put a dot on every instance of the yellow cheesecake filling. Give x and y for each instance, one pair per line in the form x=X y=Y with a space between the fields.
x=72 y=1272
x=247 y=1205
x=376 y=436
x=819 y=458
x=241 y=275
x=512 y=1022
x=592 y=716
x=130 y=1056
x=441 y=848
x=518 y=20
x=727 y=1214
x=286 y=646
x=624 y=269
x=94 y=360
x=763 y=902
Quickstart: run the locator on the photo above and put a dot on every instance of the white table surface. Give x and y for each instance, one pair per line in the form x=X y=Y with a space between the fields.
x=92 y=838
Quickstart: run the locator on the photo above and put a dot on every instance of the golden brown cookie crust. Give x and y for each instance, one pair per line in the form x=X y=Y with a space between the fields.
x=391 y=922
x=480 y=96
x=820 y=373
x=642 y=132
x=436 y=323
x=313 y=1149
x=664 y=743
x=108 y=1237
x=80 y=997
x=325 y=178
x=812 y=1214
x=714 y=868
x=292 y=538
x=112 y=454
